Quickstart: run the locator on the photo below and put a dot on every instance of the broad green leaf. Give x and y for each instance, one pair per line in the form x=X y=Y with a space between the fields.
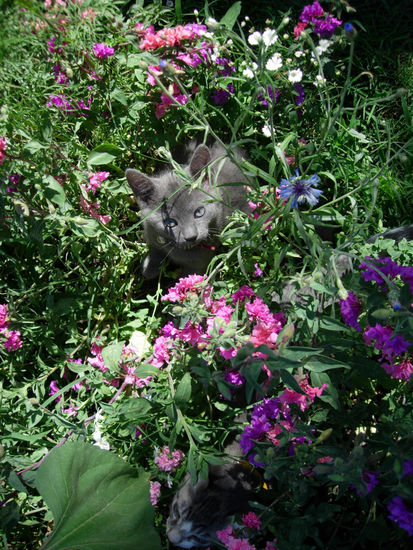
x=136 y=407
x=54 y=191
x=97 y=500
x=104 y=154
x=184 y=390
x=323 y=363
x=143 y=371
x=111 y=355
x=231 y=16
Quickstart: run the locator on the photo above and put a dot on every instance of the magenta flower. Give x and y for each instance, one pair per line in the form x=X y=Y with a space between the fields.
x=13 y=341
x=4 y=316
x=383 y=338
x=95 y=180
x=102 y=51
x=178 y=293
x=251 y=520
x=311 y=12
x=350 y=310
x=258 y=271
x=3 y=146
x=242 y=294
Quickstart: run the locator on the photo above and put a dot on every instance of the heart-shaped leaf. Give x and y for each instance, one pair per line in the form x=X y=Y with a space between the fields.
x=97 y=500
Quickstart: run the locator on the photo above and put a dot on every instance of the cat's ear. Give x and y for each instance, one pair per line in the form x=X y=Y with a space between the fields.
x=141 y=185
x=200 y=158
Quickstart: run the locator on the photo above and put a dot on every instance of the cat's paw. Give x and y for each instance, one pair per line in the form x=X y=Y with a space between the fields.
x=150 y=268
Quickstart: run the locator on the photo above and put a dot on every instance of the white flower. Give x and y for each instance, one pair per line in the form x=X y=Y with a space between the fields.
x=323 y=46
x=320 y=80
x=139 y=343
x=212 y=23
x=274 y=62
x=269 y=37
x=299 y=53
x=97 y=434
x=295 y=75
x=255 y=38
x=249 y=71
x=266 y=130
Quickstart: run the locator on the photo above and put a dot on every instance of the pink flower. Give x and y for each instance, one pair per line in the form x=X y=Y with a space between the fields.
x=102 y=51
x=225 y=534
x=54 y=388
x=3 y=146
x=154 y=491
x=179 y=292
x=167 y=461
x=240 y=544
x=95 y=180
x=251 y=520
x=89 y=13
x=92 y=209
x=13 y=341
x=325 y=459
x=4 y=316
x=403 y=370
x=258 y=271
x=303 y=401
x=242 y=294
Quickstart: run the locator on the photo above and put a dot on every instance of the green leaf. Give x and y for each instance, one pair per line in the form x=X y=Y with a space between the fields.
x=136 y=407
x=143 y=371
x=111 y=355
x=97 y=500
x=323 y=363
x=54 y=191
x=104 y=154
x=291 y=382
x=9 y=516
x=231 y=16
x=184 y=390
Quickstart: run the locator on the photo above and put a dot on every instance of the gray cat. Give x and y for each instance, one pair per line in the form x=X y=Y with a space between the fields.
x=182 y=222
x=199 y=511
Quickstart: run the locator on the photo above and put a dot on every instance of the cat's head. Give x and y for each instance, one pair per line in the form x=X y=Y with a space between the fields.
x=174 y=212
x=199 y=511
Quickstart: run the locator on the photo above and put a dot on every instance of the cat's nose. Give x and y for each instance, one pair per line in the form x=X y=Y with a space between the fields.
x=190 y=238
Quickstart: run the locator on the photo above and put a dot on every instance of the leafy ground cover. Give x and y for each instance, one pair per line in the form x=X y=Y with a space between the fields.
x=112 y=388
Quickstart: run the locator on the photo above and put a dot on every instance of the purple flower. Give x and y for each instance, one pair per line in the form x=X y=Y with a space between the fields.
x=300 y=190
x=235 y=378
x=221 y=96
x=311 y=12
x=400 y=514
x=102 y=51
x=227 y=64
x=273 y=95
x=299 y=99
x=370 y=479
x=350 y=310
x=389 y=343
x=327 y=27
x=408 y=467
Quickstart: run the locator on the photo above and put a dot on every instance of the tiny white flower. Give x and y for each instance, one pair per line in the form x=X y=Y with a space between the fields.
x=243 y=23
x=196 y=13
x=249 y=71
x=274 y=62
x=266 y=130
x=320 y=80
x=295 y=75
x=289 y=60
x=299 y=53
x=323 y=46
x=255 y=38
x=212 y=23
x=269 y=37
x=286 y=20
x=286 y=36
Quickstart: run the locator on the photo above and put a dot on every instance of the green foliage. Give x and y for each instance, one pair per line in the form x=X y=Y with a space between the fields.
x=96 y=500
x=100 y=362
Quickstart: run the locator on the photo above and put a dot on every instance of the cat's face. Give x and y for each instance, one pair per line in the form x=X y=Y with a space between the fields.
x=186 y=220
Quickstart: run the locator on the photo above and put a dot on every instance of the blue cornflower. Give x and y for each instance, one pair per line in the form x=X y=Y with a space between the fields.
x=301 y=190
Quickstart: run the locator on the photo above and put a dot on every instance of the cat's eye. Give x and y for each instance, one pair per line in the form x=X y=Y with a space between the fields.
x=170 y=222
x=199 y=212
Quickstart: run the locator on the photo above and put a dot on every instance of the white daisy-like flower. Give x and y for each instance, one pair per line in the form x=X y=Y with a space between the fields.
x=274 y=62
x=296 y=75
x=269 y=37
x=255 y=38
x=323 y=46
x=266 y=130
x=249 y=72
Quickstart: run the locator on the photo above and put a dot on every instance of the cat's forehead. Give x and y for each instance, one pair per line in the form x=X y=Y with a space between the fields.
x=184 y=199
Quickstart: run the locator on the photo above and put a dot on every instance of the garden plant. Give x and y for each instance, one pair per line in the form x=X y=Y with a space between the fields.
x=298 y=340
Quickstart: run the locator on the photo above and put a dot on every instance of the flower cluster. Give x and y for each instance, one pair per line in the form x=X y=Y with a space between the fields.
x=168 y=461
x=383 y=338
x=11 y=338
x=95 y=179
x=230 y=537
x=272 y=417
x=323 y=23
x=400 y=514
x=102 y=51
x=67 y=105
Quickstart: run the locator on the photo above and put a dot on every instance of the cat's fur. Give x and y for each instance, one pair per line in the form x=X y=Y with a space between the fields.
x=183 y=224
x=199 y=511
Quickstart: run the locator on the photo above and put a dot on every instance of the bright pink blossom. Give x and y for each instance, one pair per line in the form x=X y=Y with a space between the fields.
x=179 y=292
x=102 y=51
x=3 y=146
x=4 y=316
x=95 y=179
x=13 y=341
